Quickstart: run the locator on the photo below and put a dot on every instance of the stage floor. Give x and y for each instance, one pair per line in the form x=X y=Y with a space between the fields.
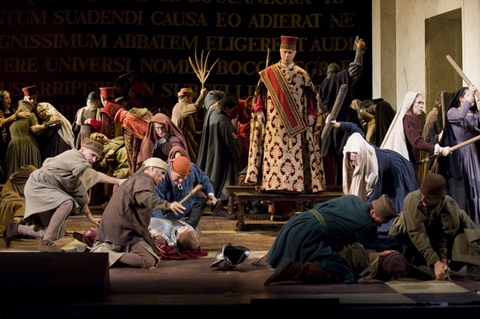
x=192 y=288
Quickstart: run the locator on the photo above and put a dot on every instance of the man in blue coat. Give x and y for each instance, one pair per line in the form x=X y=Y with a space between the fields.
x=182 y=176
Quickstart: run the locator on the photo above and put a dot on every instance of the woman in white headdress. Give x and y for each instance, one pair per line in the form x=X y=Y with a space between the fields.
x=56 y=130
x=369 y=172
x=405 y=133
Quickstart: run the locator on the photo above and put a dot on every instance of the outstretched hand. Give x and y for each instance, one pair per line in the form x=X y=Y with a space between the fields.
x=177 y=208
x=23 y=114
x=333 y=122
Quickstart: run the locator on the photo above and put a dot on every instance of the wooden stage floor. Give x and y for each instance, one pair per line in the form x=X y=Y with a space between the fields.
x=186 y=288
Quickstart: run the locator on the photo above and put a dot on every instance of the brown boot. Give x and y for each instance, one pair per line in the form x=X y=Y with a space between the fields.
x=289 y=270
x=11 y=230
x=47 y=246
x=315 y=274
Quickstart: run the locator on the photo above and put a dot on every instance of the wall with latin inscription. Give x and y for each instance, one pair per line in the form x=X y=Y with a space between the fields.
x=69 y=48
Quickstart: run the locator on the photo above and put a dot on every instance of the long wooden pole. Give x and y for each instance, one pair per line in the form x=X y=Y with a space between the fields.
x=453 y=148
x=460 y=72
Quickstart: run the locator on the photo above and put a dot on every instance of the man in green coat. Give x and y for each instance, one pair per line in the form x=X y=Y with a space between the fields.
x=318 y=235
x=437 y=235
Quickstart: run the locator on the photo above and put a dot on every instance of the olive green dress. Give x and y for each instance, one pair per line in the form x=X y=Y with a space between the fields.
x=23 y=148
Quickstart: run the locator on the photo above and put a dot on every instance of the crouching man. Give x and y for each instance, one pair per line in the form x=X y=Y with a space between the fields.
x=54 y=191
x=436 y=234
x=123 y=231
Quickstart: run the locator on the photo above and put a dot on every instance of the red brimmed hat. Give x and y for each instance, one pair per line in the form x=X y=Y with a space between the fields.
x=289 y=43
x=107 y=92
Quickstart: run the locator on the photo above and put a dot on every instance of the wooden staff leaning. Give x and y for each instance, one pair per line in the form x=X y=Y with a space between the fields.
x=255 y=94
x=435 y=166
x=200 y=68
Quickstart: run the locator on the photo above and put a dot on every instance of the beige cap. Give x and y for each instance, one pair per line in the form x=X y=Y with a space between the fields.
x=157 y=162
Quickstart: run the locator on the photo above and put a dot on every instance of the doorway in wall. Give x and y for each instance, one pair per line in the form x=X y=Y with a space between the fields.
x=443 y=36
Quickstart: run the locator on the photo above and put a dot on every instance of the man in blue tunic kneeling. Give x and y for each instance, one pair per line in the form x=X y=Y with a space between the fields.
x=182 y=176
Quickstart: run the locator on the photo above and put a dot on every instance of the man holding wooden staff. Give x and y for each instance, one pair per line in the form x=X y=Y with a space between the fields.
x=284 y=151
x=181 y=179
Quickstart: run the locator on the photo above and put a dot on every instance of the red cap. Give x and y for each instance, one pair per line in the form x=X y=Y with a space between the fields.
x=181 y=165
x=107 y=92
x=29 y=90
x=289 y=43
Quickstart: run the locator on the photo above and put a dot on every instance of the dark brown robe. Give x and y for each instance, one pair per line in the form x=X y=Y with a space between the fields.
x=125 y=221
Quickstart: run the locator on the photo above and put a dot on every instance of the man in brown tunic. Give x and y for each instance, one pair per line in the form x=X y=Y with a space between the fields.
x=123 y=231
x=182 y=117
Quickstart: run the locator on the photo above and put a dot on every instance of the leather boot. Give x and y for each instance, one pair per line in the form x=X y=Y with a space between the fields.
x=289 y=270
x=307 y=272
x=47 y=246
x=11 y=230
x=315 y=274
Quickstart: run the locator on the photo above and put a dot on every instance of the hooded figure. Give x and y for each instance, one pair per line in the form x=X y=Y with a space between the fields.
x=23 y=148
x=462 y=170
x=405 y=133
x=369 y=172
x=161 y=136
x=220 y=154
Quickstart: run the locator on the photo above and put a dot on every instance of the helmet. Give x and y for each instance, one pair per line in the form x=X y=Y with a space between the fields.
x=230 y=257
x=88 y=237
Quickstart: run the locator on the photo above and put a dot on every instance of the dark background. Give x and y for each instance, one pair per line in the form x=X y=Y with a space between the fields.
x=70 y=48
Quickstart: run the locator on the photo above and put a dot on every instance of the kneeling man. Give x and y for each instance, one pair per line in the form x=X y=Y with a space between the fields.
x=437 y=235
x=123 y=231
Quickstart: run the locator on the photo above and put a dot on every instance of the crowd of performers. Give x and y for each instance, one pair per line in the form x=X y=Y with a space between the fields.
x=166 y=168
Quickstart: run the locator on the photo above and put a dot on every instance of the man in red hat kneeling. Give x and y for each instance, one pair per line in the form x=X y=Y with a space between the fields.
x=182 y=176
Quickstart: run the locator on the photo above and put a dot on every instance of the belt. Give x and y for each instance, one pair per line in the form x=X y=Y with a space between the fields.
x=319 y=217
